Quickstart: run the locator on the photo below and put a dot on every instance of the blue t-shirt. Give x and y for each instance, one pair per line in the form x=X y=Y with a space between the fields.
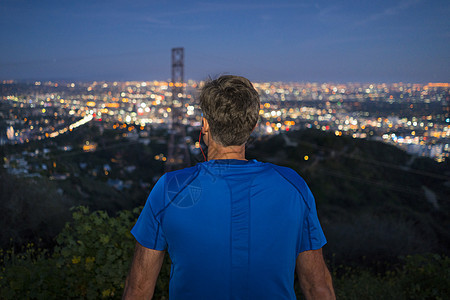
x=233 y=229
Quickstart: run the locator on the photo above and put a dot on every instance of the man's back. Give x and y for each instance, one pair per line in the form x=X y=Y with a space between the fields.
x=233 y=229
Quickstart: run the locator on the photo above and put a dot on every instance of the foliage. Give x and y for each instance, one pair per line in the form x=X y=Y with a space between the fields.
x=425 y=277
x=91 y=260
x=420 y=277
x=94 y=251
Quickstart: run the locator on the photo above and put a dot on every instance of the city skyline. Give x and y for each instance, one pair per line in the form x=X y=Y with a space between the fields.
x=401 y=41
x=413 y=117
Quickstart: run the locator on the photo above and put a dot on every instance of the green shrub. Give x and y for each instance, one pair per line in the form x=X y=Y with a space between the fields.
x=358 y=284
x=420 y=277
x=94 y=252
x=425 y=277
x=91 y=261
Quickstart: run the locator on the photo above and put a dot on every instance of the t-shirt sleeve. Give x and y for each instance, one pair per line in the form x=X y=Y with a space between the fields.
x=312 y=236
x=147 y=230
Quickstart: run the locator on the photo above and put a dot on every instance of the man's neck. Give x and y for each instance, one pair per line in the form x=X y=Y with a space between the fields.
x=216 y=151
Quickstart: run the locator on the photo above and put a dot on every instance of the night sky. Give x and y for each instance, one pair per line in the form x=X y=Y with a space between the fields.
x=314 y=41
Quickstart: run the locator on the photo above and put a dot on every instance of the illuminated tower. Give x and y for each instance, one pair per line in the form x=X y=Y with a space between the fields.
x=178 y=155
x=177 y=74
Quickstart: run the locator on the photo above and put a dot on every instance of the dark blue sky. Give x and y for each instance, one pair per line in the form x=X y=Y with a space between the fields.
x=338 y=41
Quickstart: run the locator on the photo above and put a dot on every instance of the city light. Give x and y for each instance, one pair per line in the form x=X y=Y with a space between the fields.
x=343 y=109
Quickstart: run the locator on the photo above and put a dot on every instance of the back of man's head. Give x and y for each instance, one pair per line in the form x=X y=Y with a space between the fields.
x=231 y=106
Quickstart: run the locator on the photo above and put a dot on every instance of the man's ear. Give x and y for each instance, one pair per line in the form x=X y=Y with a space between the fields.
x=205 y=127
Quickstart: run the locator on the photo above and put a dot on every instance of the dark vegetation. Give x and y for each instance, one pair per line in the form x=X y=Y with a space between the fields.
x=386 y=237
x=371 y=196
x=36 y=208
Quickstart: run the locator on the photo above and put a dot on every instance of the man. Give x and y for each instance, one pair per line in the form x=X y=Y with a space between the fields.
x=234 y=228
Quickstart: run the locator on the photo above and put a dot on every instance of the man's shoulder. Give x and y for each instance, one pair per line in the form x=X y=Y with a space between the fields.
x=290 y=177
x=286 y=173
x=181 y=176
x=181 y=172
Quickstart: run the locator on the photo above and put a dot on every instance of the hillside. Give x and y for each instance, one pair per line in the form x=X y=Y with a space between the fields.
x=375 y=201
x=378 y=206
